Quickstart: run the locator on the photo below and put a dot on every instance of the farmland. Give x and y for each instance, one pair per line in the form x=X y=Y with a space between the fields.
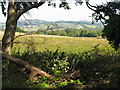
x=67 y=44
x=52 y=42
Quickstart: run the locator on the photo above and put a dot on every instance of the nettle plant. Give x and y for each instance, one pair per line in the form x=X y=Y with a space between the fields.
x=56 y=62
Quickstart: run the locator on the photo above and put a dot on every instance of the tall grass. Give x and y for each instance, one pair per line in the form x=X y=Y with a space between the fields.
x=69 y=45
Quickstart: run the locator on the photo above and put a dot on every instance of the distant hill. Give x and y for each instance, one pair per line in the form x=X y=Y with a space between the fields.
x=34 y=24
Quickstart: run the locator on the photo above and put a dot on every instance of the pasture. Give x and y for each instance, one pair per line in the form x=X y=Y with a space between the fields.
x=67 y=44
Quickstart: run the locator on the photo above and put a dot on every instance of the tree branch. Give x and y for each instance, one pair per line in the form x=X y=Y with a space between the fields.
x=30 y=7
x=90 y=6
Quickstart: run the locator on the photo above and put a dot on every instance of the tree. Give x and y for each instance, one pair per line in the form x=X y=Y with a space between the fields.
x=109 y=15
x=14 y=11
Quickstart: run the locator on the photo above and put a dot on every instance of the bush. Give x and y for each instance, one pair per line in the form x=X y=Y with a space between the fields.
x=55 y=63
x=101 y=65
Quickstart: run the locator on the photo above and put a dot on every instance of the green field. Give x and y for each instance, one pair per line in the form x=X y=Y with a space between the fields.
x=67 y=44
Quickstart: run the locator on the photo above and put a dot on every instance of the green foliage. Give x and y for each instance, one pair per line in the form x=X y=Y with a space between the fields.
x=13 y=78
x=109 y=15
x=98 y=66
x=72 y=32
x=20 y=30
x=63 y=83
x=40 y=31
x=44 y=85
x=76 y=81
x=53 y=62
x=67 y=82
x=111 y=31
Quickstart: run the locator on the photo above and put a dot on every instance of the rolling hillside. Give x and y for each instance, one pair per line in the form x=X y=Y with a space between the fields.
x=34 y=24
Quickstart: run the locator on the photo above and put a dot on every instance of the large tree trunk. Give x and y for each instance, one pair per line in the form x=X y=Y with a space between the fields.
x=13 y=15
x=7 y=40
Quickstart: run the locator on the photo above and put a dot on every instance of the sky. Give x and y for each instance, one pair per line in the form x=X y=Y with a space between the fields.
x=49 y=13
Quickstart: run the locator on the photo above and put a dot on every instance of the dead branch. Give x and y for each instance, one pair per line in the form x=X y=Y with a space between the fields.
x=34 y=71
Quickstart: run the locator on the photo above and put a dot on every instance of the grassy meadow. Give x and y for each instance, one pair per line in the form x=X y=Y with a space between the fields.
x=67 y=44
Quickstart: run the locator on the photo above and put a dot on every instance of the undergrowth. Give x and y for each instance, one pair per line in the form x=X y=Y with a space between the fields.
x=97 y=68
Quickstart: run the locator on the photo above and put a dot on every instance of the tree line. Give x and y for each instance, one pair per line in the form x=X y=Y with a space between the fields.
x=72 y=32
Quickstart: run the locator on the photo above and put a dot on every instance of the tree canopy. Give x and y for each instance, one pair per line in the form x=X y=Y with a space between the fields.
x=26 y=5
x=109 y=15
